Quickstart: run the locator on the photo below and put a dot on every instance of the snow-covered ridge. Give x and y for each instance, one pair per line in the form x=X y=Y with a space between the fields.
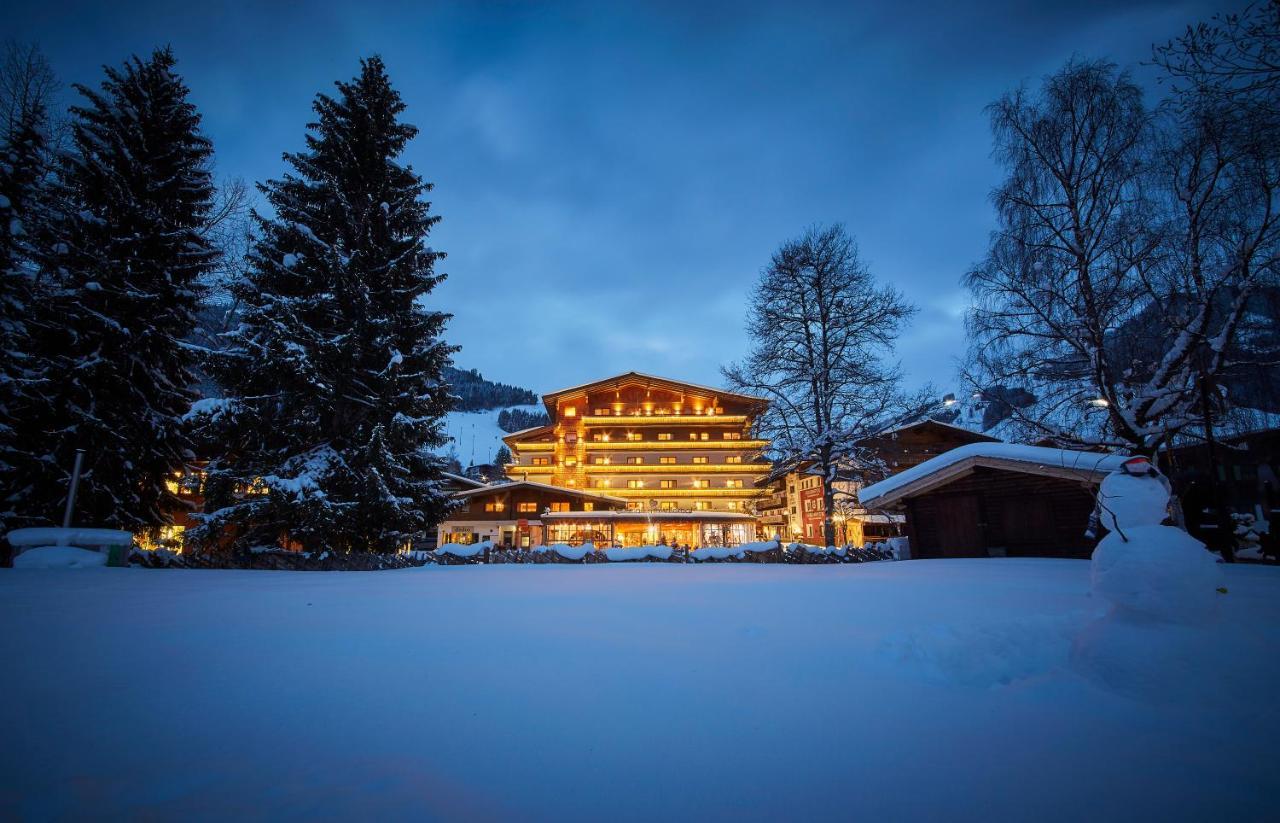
x=1011 y=452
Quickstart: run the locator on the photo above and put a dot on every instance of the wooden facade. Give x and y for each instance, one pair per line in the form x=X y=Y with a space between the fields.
x=1001 y=513
x=510 y=514
x=657 y=443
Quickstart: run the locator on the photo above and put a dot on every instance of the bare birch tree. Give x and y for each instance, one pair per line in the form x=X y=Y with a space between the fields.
x=821 y=331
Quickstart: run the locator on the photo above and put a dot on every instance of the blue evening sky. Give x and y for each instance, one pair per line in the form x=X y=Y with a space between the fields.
x=613 y=176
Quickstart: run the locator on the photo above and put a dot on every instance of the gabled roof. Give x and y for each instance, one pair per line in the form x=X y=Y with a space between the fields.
x=929 y=421
x=508 y=438
x=638 y=377
x=503 y=487
x=466 y=481
x=1088 y=467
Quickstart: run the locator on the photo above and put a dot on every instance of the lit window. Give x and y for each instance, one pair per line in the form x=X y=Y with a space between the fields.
x=736 y=458
x=703 y=436
x=666 y=484
x=635 y=484
x=570 y=411
x=702 y=484
x=693 y=435
x=526 y=507
x=733 y=484
x=571 y=461
x=701 y=459
x=732 y=505
x=701 y=505
x=602 y=412
x=633 y=436
x=493 y=507
x=664 y=435
x=666 y=461
x=635 y=461
x=597 y=437
x=588 y=506
x=733 y=435
x=667 y=505
x=600 y=461
x=602 y=484
x=559 y=507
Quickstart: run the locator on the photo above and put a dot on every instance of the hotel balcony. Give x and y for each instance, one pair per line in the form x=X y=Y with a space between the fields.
x=675 y=468
x=664 y=420
x=673 y=445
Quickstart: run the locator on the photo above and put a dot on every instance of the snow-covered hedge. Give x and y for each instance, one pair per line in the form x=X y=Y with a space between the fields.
x=619 y=554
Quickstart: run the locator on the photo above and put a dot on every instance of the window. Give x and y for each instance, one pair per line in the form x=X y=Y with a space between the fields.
x=701 y=505
x=666 y=484
x=602 y=412
x=635 y=461
x=493 y=507
x=634 y=506
x=733 y=484
x=733 y=458
x=526 y=508
x=571 y=461
x=666 y=461
x=667 y=505
x=732 y=505
x=542 y=461
x=703 y=436
x=693 y=435
x=702 y=459
x=600 y=461
x=635 y=484
x=588 y=506
x=633 y=436
x=560 y=507
x=570 y=411
x=664 y=435
x=733 y=435
x=598 y=437
x=602 y=484
x=702 y=484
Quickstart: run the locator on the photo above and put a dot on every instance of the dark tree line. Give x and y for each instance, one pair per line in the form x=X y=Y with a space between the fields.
x=123 y=293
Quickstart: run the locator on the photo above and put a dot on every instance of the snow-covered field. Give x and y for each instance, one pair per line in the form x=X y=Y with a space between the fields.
x=939 y=690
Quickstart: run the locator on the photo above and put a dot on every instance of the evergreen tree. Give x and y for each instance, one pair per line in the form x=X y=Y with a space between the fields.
x=334 y=389
x=23 y=169
x=127 y=257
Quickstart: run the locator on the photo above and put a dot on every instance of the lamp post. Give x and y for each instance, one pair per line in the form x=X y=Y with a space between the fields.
x=71 y=493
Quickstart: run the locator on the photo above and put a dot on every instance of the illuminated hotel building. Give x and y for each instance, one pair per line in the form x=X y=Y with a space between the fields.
x=681 y=456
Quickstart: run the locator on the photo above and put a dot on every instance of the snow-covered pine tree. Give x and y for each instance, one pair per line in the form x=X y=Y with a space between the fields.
x=333 y=380
x=23 y=169
x=127 y=255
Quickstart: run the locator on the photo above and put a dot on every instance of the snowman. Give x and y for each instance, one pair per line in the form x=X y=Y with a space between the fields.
x=1161 y=587
x=1143 y=568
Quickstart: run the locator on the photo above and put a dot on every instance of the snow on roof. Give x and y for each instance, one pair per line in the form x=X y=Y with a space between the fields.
x=927 y=420
x=466 y=481
x=537 y=485
x=529 y=430
x=642 y=376
x=1012 y=456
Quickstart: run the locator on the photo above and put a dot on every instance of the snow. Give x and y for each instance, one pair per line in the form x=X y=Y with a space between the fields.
x=475 y=436
x=716 y=552
x=56 y=536
x=464 y=549
x=1164 y=589
x=928 y=690
x=59 y=557
x=566 y=551
x=620 y=553
x=1031 y=455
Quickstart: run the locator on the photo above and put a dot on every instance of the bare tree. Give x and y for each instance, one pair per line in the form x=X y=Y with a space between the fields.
x=27 y=84
x=1068 y=264
x=1234 y=57
x=821 y=329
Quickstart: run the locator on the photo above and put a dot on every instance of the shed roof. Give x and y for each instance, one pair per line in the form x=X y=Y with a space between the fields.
x=948 y=466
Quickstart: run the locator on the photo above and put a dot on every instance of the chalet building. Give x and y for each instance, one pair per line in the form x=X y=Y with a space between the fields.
x=997 y=500
x=518 y=514
x=910 y=444
x=681 y=457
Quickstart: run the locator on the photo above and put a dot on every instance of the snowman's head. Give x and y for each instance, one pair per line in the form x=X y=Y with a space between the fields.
x=1134 y=495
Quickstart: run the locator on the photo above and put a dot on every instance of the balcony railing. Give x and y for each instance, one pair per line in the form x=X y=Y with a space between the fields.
x=676 y=468
x=673 y=445
x=663 y=419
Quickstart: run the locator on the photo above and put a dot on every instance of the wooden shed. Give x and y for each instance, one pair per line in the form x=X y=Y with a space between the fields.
x=997 y=500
